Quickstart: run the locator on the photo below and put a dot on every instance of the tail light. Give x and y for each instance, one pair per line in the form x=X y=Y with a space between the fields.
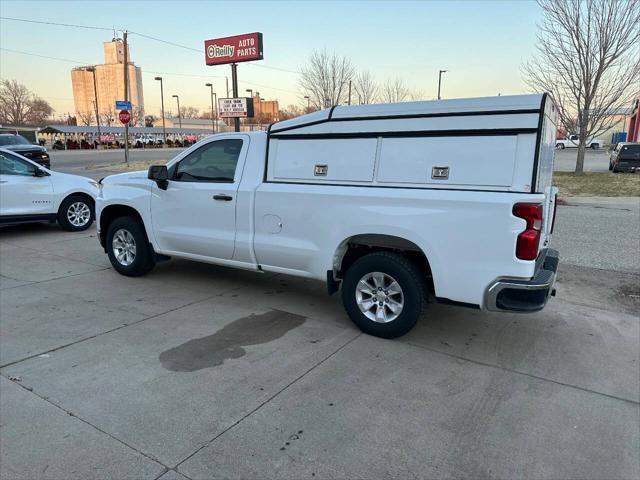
x=528 y=241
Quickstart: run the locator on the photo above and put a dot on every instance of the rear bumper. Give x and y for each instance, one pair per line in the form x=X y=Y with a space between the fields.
x=514 y=295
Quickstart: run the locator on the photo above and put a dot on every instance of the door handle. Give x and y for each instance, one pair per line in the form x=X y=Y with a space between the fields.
x=222 y=197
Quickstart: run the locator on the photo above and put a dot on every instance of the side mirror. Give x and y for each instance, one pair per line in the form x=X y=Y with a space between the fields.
x=40 y=173
x=160 y=175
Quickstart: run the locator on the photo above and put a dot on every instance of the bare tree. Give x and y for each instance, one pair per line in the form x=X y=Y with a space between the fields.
x=39 y=113
x=291 y=111
x=18 y=106
x=109 y=117
x=325 y=79
x=86 y=118
x=189 y=112
x=394 y=91
x=589 y=60
x=366 y=88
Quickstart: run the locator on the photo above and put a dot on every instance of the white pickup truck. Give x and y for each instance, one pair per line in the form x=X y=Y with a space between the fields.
x=390 y=204
x=572 y=141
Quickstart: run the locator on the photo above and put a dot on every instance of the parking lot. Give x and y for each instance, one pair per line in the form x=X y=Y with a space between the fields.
x=197 y=371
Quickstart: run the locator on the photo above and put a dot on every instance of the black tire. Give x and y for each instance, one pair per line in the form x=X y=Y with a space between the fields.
x=405 y=273
x=595 y=146
x=610 y=166
x=560 y=146
x=143 y=260
x=70 y=216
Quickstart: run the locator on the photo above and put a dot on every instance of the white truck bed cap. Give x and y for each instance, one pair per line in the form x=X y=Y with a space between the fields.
x=455 y=107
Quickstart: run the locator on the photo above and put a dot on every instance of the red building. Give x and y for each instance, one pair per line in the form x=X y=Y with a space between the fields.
x=634 y=122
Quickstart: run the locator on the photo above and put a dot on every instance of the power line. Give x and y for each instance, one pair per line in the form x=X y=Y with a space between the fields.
x=77 y=62
x=90 y=27
x=44 y=56
x=167 y=42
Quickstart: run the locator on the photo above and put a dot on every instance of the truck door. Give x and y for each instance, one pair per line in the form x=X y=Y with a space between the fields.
x=196 y=214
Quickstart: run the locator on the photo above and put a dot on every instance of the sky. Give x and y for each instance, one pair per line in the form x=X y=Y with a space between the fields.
x=482 y=44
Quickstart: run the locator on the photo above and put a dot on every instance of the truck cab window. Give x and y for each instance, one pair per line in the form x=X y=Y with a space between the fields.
x=213 y=162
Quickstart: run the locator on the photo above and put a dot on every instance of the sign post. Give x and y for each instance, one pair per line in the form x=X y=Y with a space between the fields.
x=233 y=50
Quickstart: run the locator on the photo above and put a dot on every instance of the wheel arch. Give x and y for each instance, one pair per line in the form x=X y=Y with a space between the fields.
x=75 y=193
x=358 y=245
x=109 y=213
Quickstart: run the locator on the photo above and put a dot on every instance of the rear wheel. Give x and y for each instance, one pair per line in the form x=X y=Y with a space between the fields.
x=595 y=146
x=560 y=146
x=76 y=213
x=384 y=294
x=128 y=247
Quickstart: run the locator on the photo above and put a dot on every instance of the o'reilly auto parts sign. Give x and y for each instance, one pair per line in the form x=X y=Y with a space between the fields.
x=235 y=107
x=239 y=48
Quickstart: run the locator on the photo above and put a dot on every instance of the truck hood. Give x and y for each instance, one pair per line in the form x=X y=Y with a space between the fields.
x=139 y=176
x=24 y=148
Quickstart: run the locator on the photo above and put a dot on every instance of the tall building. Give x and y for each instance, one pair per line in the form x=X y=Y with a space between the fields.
x=265 y=111
x=109 y=82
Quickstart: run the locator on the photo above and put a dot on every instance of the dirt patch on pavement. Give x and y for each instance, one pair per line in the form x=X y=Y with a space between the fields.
x=227 y=343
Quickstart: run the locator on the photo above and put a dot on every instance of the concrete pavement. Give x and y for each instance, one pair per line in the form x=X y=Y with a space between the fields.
x=594 y=161
x=197 y=371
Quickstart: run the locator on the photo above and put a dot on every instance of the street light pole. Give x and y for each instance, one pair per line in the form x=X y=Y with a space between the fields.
x=164 y=129
x=95 y=95
x=213 y=122
x=179 y=117
x=215 y=97
x=308 y=103
x=440 y=81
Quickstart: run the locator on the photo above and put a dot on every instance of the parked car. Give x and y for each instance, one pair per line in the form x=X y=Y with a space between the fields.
x=572 y=141
x=367 y=198
x=625 y=157
x=32 y=193
x=147 y=141
x=19 y=144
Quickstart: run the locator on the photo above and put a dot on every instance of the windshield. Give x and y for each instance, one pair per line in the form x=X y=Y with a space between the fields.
x=630 y=149
x=13 y=140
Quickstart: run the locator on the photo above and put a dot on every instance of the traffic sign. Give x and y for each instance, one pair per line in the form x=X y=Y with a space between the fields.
x=123 y=105
x=124 y=116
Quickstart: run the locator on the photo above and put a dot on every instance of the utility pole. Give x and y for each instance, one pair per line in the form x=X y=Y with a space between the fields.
x=164 y=130
x=308 y=103
x=234 y=80
x=349 y=93
x=213 y=122
x=95 y=95
x=126 y=95
x=440 y=81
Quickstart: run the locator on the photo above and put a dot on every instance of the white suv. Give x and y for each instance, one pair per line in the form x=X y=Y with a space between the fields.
x=32 y=193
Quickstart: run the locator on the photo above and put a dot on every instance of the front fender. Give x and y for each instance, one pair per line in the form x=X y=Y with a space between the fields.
x=136 y=196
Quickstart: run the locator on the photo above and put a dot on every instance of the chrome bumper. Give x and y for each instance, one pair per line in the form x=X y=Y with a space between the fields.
x=525 y=296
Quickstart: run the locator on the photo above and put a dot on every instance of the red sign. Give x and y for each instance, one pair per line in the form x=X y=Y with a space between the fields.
x=239 y=48
x=124 y=116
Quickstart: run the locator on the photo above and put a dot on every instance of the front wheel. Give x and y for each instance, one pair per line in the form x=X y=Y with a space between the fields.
x=383 y=294
x=595 y=146
x=76 y=213
x=560 y=146
x=128 y=247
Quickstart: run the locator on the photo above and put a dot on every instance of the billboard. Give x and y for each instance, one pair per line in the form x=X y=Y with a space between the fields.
x=235 y=107
x=239 y=48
